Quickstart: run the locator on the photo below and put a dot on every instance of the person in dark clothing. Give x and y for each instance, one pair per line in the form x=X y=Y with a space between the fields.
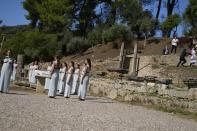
x=182 y=59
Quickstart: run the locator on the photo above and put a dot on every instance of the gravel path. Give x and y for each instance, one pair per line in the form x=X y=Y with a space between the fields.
x=25 y=111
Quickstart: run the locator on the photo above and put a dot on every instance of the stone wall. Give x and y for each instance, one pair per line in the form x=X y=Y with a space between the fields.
x=165 y=67
x=149 y=94
x=153 y=65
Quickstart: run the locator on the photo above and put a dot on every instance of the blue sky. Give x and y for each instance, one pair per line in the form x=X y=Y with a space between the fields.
x=12 y=12
x=180 y=8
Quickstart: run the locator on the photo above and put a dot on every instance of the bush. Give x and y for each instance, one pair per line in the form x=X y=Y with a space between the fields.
x=95 y=37
x=34 y=45
x=118 y=32
x=77 y=45
x=64 y=40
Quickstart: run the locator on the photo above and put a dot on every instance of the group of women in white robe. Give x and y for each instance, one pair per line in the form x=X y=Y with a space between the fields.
x=6 y=72
x=32 y=69
x=68 y=79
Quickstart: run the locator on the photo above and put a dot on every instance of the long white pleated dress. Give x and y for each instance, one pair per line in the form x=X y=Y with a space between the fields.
x=75 y=83
x=62 y=80
x=54 y=80
x=47 y=80
x=84 y=81
x=68 y=85
x=6 y=73
x=30 y=73
x=13 y=77
x=33 y=74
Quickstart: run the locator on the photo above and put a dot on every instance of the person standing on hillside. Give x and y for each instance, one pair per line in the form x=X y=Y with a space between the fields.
x=6 y=73
x=182 y=59
x=174 y=43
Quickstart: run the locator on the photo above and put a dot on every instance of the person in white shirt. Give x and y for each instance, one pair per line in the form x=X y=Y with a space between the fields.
x=174 y=43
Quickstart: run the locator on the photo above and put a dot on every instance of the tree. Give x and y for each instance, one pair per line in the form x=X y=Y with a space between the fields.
x=190 y=16
x=84 y=16
x=34 y=45
x=170 y=6
x=135 y=18
x=50 y=15
x=171 y=22
x=33 y=14
x=158 y=10
x=146 y=25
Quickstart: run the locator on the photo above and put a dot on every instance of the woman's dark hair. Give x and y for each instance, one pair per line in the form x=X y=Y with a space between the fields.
x=7 y=52
x=89 y=62
x=36 y=62
x=73 y=64
x=58 y=60
x=66 y=65
x=78 y=65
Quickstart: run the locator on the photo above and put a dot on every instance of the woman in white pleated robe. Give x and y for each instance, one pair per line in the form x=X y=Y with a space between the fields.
x=54 y=78
x=84 y=80
x=15 y=65
x=62 y=78
x=33 y=74
x=47 y=80
x=76 y=76
x=6 y=72
x=30 y=72
x=69 y=80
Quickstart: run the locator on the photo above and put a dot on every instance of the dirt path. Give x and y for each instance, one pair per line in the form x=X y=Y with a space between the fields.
x=25 y=111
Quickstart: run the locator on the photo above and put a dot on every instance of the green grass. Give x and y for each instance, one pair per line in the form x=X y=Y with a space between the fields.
x=176 y=111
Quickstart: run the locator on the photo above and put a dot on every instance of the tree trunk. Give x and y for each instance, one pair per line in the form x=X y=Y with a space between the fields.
x=133 y=63
x=121 y=59
x=170 y=6
x=20 y=66
x=158 y=10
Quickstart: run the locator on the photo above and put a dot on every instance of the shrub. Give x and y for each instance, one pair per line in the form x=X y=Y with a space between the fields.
x=34 y=45
x=118 y=32
x=95 y=37
x=77 y=45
